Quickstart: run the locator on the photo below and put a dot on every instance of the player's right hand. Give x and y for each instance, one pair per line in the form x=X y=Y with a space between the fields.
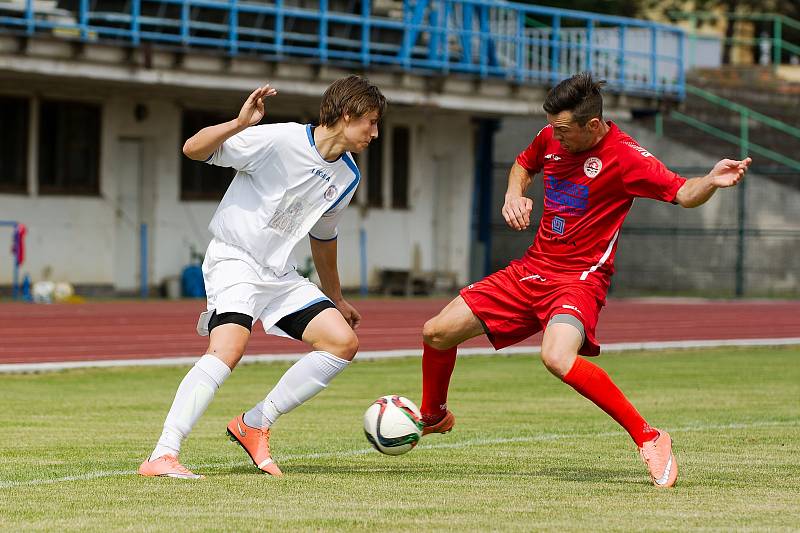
x=517 y=212
x=253 y=109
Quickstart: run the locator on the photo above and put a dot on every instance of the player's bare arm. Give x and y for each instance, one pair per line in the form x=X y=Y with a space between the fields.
x=517 y=207
x=324 y=255
x=726 y=173
x=205 y=142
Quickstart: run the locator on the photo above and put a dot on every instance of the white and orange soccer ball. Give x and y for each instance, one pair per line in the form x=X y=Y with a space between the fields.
x=393 y=424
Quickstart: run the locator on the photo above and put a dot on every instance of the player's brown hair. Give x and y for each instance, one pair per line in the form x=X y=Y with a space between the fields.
x=352 y=95
x=579 y=94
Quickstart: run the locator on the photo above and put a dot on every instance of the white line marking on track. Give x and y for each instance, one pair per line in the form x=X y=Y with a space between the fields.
x=424 y=447
x=391 y=354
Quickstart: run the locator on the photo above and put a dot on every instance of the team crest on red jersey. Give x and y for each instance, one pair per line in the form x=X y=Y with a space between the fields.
x=592 y=167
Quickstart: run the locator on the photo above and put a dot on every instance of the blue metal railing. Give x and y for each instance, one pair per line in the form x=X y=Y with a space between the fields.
x=486 y=38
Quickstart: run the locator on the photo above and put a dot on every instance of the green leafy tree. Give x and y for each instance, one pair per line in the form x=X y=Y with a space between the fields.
x=623 y=8
x=789 y=8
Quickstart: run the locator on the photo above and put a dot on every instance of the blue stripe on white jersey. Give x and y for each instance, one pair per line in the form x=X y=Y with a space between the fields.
x=350 y=163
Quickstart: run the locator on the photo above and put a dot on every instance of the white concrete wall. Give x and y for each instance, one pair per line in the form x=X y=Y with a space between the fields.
x=77 y=238
x=434 y=230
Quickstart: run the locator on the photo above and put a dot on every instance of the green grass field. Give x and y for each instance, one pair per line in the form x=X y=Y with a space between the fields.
x=527 y=452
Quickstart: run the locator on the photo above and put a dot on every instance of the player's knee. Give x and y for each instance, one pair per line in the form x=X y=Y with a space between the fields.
x=557 y=361
x=430 y=334
x=343 y=344
x=434 y=335
x=228 y=354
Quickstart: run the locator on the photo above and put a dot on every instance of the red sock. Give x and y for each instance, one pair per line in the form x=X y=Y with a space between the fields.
x=592 y=382
x=437 y=367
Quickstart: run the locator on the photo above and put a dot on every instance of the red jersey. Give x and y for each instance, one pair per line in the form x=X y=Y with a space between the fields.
x=587 y=196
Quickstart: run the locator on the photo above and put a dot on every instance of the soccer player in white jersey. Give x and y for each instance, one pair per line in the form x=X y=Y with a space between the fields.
x=292 y=180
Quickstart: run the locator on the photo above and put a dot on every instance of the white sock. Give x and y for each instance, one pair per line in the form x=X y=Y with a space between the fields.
x=193 y=397
x=304 y=380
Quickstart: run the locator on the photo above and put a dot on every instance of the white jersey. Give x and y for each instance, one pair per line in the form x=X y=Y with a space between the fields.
x=282 y=191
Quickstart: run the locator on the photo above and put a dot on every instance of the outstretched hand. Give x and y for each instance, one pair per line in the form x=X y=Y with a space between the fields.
x=253 y=109
x=729 y=172
x=517 y=212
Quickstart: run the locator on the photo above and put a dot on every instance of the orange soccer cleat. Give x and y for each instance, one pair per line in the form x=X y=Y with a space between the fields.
x=442 y=426
x=166 y=466
x=256 y=443
x=657 y=455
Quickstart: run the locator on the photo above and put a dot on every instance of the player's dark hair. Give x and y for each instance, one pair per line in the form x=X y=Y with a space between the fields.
x=354 y=96
x=579 y=94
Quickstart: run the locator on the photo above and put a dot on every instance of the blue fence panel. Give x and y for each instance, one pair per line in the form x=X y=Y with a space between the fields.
x=486 y=38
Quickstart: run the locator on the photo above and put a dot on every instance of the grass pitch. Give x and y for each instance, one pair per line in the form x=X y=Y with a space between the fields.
x=527 y=453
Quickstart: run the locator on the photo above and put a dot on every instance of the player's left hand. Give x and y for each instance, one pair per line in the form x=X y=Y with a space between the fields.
x=729 y=172
x=349 y=313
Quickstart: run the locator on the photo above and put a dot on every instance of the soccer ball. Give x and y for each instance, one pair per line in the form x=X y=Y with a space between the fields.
x=393 y=424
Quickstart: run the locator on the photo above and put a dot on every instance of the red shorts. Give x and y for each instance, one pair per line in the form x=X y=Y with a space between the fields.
x=515 y=303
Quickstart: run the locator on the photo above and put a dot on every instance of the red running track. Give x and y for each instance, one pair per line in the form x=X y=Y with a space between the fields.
x=144 y=330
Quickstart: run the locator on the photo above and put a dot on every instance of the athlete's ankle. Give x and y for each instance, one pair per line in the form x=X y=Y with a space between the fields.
x=430 y=419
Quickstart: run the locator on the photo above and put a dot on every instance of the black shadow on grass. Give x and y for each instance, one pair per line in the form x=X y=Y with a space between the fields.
x=599 y=475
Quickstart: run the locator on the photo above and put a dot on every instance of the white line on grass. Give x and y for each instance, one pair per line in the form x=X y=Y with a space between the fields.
x=441 y=446
x=391 y=354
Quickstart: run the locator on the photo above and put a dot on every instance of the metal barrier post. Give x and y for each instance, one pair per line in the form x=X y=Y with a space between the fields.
x=555 y=49
x=136 y=9
x=622 y=56
x=692 y=39
x=362 y=241
x=143 y=260
x=654 y=59
x=323 y=30
x=589 y=49
x=742 y=212
x=279 y=20
x=29 y=20
x=83 y=19
x=233 y=33
x=15 y=282
x=365 y=32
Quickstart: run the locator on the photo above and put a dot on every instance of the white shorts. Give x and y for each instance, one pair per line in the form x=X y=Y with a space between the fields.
x=236 y=283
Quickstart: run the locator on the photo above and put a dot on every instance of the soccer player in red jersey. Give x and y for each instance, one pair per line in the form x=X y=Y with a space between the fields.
x=592 y=172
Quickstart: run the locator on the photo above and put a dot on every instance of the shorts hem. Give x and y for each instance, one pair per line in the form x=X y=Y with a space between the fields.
x=590 y=346
x=497 y=343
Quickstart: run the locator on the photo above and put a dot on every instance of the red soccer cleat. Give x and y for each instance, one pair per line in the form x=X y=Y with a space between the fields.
x=442 y=426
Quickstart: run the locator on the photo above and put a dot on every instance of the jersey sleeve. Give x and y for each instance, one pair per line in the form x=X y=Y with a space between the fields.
x=243 y=150
x=532 y=157
x=647 y=177
x=327 y=227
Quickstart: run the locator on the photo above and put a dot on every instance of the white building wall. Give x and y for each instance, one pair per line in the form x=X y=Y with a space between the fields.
x=82 y=239
x=433 y=234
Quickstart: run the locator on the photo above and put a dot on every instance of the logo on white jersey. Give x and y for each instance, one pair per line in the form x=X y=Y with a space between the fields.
x=321 y=174
x=330 y=193
x=592 y=167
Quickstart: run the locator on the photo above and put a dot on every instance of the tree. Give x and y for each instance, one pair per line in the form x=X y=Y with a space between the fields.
x=788 y=8
x=623 y=8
